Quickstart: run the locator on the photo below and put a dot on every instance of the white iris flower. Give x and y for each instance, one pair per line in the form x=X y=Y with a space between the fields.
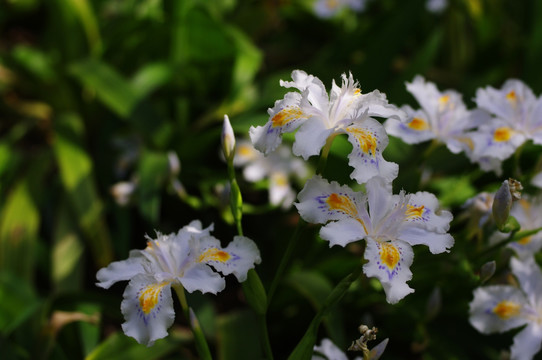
x=186 y=258
x=499 y=308
x=443 y=116
x=279 y=167
x=391 y=225
x=516 y=117
x=319 y=117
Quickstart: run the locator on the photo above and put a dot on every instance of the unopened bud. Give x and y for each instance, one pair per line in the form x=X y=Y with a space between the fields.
x=228 y=139
x=487 y=270
x=502 y=203
x=174 y=163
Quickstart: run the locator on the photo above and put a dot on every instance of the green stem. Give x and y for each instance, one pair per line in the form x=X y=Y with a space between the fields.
x=265 y=334
x=285 y=259
x=253 y=289
x=303 y=350
x=324 y=154
x=514 y=236
x=199 y=338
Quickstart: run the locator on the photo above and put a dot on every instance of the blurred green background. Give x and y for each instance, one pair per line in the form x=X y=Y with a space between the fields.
x=93 y=93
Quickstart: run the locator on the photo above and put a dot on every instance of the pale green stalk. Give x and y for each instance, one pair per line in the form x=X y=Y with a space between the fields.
x=201 y=343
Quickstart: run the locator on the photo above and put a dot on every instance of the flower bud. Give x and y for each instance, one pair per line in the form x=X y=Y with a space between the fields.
x=228 y=139
x=502 y=203
x=174 y=163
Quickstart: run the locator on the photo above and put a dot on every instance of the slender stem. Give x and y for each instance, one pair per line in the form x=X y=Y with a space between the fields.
x=236 y=203
x=266 y=344
x=285 y=259
x=199 y=338
x=324 y=154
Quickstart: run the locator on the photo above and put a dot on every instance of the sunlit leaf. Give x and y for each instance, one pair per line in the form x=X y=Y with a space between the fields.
x=110 y=86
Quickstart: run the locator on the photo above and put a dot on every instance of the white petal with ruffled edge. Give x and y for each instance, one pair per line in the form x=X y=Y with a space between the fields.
x=148 y=309
x=329 y=350
x=120 y=270
x=286 y=116
x=415 y=130
x=497 y=308
x=527 y=343
x=390 y=263
x=320 y=202
x=237 y=258
x=369 y=139
x=199 y=276
x=311 y=137
x=496 y=140
x=423 y=210
x=437 y=243
x=343 y=232
x=529 y=277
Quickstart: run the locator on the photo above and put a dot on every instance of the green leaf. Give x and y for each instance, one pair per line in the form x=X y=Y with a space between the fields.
x=153 y=172
x=19 y=226
x=255 y=292
x=151 y=77
x=17 y=302
x=82 y=9
x=238 y=336
x=77 y=177
x=67 y=263
x=34 y=61
x=110 y=86
x=316 y=288
x=303 y=350
x=121 y=347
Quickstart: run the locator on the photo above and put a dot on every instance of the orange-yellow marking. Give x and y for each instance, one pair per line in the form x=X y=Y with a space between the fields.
x=345 y=205
x=389 y=254
x=367 y=141
x=414 y=211
x=214 y=254
x=525 y=240
x=286 y=115
x=503 y=133
x=149 y=297
x=511 y=96
x=418 y=124
x=507 y=309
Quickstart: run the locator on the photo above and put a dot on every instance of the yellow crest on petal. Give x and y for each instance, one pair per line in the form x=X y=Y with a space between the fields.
x=389 y=254
x=418 y=124
x=507 y=309
x=287 y=115
x=503 y=133
x=214 y=254
x=150 y=296
x=415 y=212
x=367 y=141
x=511 y=97
x=344 y=204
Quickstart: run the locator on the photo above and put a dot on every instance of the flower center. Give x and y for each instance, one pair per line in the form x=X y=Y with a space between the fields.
x=418 y=124
x=502 y=134
x=507 y=309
